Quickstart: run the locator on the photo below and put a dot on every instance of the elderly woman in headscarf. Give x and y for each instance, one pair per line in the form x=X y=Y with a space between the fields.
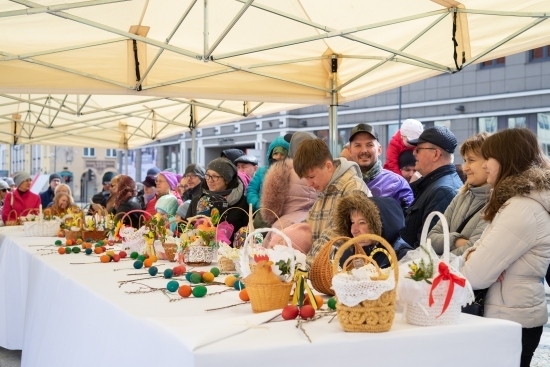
x=225 y=191
x=167 y=183
x=127 y=201
x=358 y=214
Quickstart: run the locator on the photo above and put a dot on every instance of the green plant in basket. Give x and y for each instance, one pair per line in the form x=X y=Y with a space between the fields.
x=422 y=271
x=157 y=226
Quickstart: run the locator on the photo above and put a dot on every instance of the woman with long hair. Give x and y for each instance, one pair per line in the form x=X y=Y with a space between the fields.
x=61 y=204
x=126 y=200
x=512 y=255
x=464 y=213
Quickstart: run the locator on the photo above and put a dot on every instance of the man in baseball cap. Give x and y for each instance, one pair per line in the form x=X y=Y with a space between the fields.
x=365 y=150
x=439 y=183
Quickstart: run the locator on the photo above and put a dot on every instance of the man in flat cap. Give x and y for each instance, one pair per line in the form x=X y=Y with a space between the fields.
x=439 y=183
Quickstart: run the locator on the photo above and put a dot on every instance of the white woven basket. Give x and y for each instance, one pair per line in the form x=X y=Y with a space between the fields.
x=49 y=228
x=419 y=312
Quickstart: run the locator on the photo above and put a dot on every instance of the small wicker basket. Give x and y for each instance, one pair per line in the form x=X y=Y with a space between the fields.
x=320 y=273
x=371 y=316
x=226 y=265
x=170 y=250
x=94 y=235
x=48 y=228
x=267 y=297
x=12 y=220
x=73 y=235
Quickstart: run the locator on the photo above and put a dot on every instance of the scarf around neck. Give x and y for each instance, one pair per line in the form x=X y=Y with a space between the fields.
x=373 y=172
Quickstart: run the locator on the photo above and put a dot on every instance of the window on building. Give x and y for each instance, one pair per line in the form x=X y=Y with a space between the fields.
x=517 y=122
x=501 y=61
x=392 y=129
x=444 y=123
x=110 y=153
x=540 y=54
x=543 y=131
x=488 y=124
x=89 y=152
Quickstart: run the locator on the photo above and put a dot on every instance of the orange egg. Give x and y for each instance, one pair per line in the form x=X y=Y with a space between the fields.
x=105 y=258
x=243 y=295
x=185 y=291
x=148 y=262
x=98 y=250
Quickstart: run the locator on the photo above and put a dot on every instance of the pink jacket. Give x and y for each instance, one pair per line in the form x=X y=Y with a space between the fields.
x=395 y=148
x=20 y=204
x=286 y=194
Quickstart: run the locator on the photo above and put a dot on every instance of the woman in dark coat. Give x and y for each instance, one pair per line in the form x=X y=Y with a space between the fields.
x=126 y=201
x=225 y=191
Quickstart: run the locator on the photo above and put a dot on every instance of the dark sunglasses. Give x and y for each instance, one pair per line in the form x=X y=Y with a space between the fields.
x=5 y=190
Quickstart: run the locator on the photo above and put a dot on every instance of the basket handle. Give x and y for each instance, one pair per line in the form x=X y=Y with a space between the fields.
x=380 y=276
x=446 y=237
x=9 y=214
x=275 y=214
x=363 y=237
x=143 y=214
x=250 y=237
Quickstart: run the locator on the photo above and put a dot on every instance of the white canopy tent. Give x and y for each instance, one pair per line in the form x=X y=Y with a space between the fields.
x=68 y=70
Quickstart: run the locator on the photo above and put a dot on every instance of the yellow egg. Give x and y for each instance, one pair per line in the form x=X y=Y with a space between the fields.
x=230 y=280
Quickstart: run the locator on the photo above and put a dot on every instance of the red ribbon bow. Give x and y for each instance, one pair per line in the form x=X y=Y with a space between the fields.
x=445 y=274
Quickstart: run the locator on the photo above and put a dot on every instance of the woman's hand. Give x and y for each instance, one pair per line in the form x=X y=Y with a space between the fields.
x=460 y=242
x=501 y=276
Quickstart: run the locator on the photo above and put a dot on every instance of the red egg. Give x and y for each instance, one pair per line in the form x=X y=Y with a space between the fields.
x=110 y=242
x=122 y=254
x=104 y=248
x=307 y=312
x=177 y=271
x=116 y=258
x=290 y=312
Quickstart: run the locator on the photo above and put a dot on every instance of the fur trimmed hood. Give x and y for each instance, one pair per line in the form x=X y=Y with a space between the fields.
x=356 y=201
x=533 y=183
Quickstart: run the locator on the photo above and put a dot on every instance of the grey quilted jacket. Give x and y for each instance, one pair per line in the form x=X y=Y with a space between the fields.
x=462 y=206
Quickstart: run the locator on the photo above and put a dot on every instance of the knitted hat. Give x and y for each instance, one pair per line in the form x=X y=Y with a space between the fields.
x=406 y=158
x=411 y=129
x=195 y=169
x=299 y=234
x=182 y=209
x=224 y=167
x=296 y=139
x=149 y=181
x=20 y=177
x=9 y=181
x=107 y=177
x=171 y=178
x=167 y=204
x=153 y=171
x=53 y=176
x=281 y=150
x=4 y=185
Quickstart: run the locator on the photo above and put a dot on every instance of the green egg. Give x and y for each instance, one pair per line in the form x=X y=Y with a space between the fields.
x=199 y=291
x=89 y=251
x=97 y=245
x=215 y=271
x=172 y=286
x=138 y=264
x=89 y=240
x=134 y=255
x=101 y=243
x=68 y=250
x=58 y=242
x=332 y=303
x=188 y=276
x=76 y=249
x=238 y=285
x=142 y=257
x=168 y=273
x=153 y=270
x=195 y=278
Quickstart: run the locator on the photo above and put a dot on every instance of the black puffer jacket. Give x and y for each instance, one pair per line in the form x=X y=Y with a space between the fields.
x=384 y=216
x=433 y=192
x=127 y=206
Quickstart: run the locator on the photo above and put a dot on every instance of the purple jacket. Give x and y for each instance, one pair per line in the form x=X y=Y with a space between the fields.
x=389 y=184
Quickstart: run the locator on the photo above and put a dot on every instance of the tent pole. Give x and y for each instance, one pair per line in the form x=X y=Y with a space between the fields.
x=333 y=111
x=193 y=145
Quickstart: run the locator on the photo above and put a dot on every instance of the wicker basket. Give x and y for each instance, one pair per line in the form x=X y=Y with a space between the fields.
x=226 y=265
x=170 y=250
x=94 y=235
x=12 y=220
x=198 y=255
x=271 y=296
x=320 y=272
x=48 y=228
x=375 y=315
x=420 y=312
x=72 y=235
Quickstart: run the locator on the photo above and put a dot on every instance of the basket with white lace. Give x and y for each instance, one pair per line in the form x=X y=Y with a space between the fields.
x=432 y=289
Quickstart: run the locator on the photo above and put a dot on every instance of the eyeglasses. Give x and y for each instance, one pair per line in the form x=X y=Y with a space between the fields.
x=4 y=190
x=417 y=149
x=189 y=175
x=181 y=186
x=214 y=178
x=159 y=181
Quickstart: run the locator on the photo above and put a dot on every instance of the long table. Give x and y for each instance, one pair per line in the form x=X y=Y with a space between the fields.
x=65 y=314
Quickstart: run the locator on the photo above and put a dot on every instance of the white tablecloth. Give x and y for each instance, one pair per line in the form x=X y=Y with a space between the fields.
x=61 y=314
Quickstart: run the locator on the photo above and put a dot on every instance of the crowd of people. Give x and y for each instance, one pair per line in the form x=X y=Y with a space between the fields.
x=497 y=204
